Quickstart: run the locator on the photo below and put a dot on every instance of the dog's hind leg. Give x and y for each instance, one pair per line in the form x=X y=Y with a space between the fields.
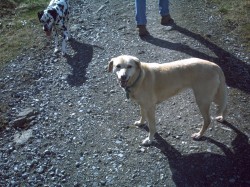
x=220 y=99
x=204 y=95
x=204 y=107
x=56 y=42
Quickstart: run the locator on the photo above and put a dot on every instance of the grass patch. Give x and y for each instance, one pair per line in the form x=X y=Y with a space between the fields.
x=19 y=26
x=237 y=13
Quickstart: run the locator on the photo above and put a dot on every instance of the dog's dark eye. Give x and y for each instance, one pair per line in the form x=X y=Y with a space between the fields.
x=129 y=66
x=118 y=66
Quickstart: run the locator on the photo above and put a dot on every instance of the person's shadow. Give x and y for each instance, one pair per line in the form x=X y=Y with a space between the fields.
x=79 y=62
x=206 y=168
x=237 y=72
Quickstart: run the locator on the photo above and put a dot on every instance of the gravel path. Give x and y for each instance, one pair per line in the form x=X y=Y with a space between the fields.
x=69 y=123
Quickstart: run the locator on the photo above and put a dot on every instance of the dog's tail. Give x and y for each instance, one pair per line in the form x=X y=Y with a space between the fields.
x=221 y=97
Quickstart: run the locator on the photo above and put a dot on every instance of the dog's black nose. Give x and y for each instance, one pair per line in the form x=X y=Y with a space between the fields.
x=123 y=77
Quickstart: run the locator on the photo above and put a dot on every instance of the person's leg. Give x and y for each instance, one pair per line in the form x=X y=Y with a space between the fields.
x=140 y=12
x=164 y=12
x=140 y=17
x=164 y=7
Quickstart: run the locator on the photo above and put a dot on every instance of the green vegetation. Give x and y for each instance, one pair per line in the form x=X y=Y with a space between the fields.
x=237 y=15
x=18 y=26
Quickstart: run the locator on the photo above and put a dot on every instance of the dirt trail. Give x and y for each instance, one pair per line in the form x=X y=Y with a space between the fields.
x=69 y=123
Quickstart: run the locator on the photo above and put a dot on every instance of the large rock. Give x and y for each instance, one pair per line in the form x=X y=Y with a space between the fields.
x=24 y=118
x=27 y=112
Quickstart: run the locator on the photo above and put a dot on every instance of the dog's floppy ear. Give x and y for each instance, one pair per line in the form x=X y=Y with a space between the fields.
x=40 y=14
x=110 y=66
x=137 y=62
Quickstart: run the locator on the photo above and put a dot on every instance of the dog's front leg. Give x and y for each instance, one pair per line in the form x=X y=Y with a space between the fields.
x=56 y=42
x=65 y=37
x=142 y=119
x=68 y=35
x=151 y=125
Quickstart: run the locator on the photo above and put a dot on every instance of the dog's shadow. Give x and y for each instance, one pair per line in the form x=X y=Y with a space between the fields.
x=237 y=72
x=209 y=169
x=83 y=54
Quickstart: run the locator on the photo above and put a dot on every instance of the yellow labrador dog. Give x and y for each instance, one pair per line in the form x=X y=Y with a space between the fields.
x=151 y=83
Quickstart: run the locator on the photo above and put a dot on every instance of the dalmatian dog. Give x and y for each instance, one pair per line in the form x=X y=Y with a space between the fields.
x=55 y=18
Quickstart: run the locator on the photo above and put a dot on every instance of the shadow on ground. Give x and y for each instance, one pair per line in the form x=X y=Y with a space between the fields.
x=237 y=72
x=79 y=62
x=210 y=169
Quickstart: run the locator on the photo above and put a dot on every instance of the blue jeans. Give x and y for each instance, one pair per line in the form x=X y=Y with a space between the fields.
x=140 y=10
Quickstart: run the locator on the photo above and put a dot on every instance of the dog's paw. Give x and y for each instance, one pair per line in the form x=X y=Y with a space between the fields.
x=220 y=119
x=56 y=50
x=146 y=142
x=196 y=135
x=68 y=37
x=138 y=123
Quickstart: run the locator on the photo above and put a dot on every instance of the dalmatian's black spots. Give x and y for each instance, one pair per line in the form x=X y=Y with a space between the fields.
x=53 y=13
x=61 y=7
x=55 y=18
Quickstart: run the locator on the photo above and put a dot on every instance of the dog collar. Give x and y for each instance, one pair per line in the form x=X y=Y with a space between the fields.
x=127 y=89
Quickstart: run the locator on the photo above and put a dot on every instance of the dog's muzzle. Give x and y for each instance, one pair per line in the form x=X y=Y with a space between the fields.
x=47 y=30
x=123 y=81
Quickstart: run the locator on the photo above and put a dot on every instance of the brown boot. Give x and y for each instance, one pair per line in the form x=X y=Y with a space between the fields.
x=142 y=30
x=166 y=20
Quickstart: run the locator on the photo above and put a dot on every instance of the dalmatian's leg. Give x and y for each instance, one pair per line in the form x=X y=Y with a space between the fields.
x=67 y=20
x=68 y=34
x=65 y=37
x=56 y=42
